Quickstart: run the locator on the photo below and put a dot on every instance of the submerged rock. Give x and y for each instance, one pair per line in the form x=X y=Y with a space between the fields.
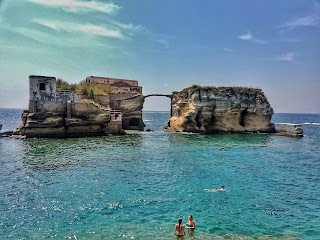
x=220 y=109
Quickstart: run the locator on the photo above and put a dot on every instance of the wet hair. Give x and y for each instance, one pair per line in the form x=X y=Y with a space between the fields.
x=222 y=186
x=190 y=216
x=179 y=221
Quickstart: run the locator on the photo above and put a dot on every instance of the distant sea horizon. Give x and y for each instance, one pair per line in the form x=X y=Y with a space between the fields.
x=148 y=110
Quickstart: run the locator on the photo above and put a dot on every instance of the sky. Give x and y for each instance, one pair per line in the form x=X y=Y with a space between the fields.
x=166 y=45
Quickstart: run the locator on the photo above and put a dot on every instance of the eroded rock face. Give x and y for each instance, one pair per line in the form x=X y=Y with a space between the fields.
x=84 y=120
x=220 y=109
x=131 y=106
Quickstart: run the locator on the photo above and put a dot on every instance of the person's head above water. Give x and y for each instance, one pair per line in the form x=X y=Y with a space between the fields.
x=179 y=221
x=222 y=187
x=190 y=217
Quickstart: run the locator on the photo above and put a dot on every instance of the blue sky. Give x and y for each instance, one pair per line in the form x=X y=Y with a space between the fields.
x=166 y=45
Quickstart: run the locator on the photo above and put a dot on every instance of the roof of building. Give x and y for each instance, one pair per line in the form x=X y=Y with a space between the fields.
x=40 y=76
x=113 y=78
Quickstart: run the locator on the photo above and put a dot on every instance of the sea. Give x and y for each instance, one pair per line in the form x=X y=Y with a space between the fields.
x=136 y=186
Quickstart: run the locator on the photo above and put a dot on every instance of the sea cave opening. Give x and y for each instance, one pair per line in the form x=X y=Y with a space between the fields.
x=134 y=122
x=243 y=116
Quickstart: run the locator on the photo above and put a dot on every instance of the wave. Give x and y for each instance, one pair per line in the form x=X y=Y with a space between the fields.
x=308 y=123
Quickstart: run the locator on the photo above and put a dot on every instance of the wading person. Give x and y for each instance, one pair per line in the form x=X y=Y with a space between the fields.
x=179 y=229
x=191 y=225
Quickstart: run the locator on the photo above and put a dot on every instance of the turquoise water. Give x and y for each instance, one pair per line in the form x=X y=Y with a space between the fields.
x=136 y=186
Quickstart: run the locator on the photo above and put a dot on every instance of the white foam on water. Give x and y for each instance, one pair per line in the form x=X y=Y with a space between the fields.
x=315 y=123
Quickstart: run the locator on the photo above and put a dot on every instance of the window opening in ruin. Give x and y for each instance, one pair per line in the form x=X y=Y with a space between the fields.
x=134 y=122
x=42 y=86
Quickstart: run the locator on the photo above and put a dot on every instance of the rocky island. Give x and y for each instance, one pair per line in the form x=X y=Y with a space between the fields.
x=220 y=109
x=100 y=106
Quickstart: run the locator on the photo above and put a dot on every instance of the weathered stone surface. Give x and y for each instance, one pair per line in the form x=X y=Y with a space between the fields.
x=85 y=130
x=287 y=129
x=131 y=106
x=222 y=109
x=44 y=132
x=86 y=120
x=49 y=121
x=86 y=109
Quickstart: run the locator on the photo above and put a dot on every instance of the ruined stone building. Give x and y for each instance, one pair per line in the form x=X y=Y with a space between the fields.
x=126 y=96
x=53 y=113
x=42 y=89
x=117 y=85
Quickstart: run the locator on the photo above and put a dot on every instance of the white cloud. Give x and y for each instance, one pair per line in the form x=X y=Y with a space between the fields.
x=292 y=40
x=249 y=37
x=163 y=42
x=81 y=28
x=13 y=47
x=52 y=39
x=287 y=57
x=308 y=21
x=78 y=6
x=33 y=34
x=227 y=49
x=95 y=30
x=130 y=26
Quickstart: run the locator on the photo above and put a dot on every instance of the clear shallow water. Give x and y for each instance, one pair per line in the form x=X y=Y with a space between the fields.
x=136 y=186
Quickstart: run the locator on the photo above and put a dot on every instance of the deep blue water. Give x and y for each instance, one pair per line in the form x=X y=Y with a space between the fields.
x=136 y=186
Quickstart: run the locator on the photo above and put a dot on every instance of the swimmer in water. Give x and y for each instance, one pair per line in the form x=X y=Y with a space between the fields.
x=191 y=225
x=179 y=229
x=216 y=190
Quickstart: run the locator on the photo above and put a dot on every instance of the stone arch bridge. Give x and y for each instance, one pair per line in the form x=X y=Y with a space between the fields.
x=158 y=95
x=135 y=121
x=161 y=95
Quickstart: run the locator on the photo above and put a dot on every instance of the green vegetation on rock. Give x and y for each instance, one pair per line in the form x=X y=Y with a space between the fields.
x=84 y=88
x=65 y=86
x=92 y=89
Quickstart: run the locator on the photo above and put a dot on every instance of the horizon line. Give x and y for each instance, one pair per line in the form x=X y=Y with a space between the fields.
x=20 y=108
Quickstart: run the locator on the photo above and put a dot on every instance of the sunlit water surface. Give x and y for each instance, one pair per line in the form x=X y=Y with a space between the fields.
x=136 y=186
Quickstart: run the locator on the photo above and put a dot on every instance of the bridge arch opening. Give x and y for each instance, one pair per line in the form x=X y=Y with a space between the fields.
x=156 y=112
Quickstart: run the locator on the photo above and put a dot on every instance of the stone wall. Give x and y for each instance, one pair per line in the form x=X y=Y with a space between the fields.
x=111 y=81
x=41 y=85
x=117 y=85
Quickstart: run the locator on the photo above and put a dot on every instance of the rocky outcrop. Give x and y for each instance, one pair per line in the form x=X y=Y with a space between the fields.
x=131 y=107
x=56 y=120
x=220 y=109
x=287 y=129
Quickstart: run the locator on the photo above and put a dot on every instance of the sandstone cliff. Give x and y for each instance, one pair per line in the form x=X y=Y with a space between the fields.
x=131 y=106
x=220 y=109
x=56 y=120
